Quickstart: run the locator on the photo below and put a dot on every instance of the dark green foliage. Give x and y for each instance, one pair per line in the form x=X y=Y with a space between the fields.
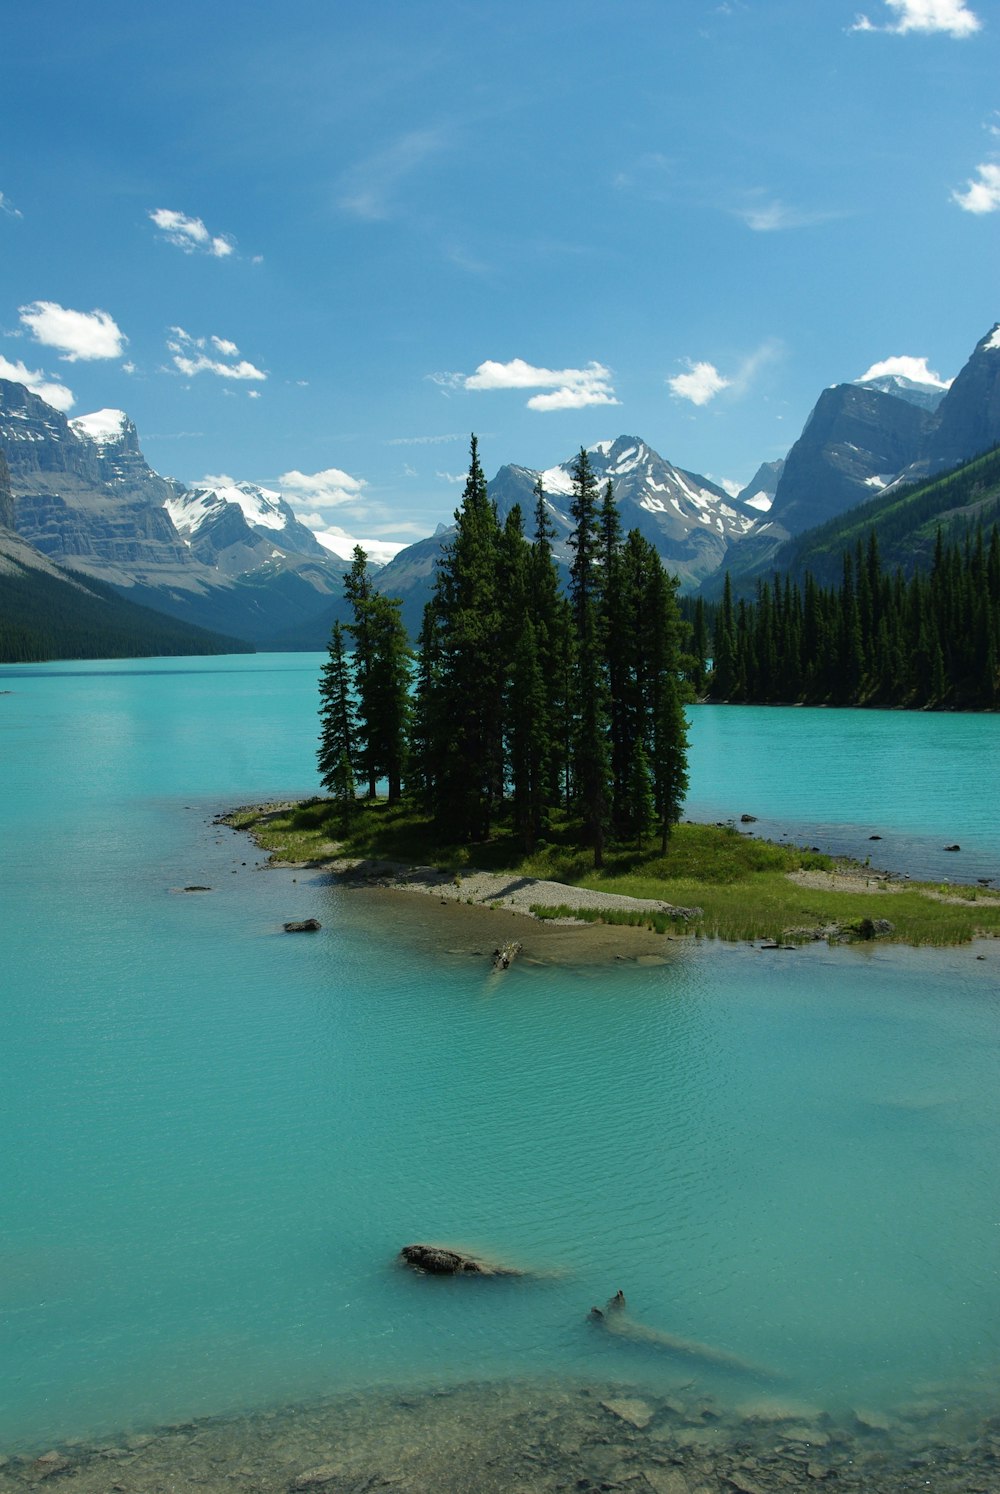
x=381 y=680
x=528 y=706
x=45 y=617
x=930 y=641
x=337 y=742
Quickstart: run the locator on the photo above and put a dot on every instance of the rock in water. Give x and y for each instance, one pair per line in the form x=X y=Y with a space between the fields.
x=303 y=926
x=439 y=1260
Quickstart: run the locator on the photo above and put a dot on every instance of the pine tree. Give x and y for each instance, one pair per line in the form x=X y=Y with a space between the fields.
x=337 y=739
x=591 y=757
x=468 y=712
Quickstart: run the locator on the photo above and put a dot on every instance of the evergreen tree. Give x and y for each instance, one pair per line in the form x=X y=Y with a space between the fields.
x=591 y=757
x=336 y=743
x=468 y=713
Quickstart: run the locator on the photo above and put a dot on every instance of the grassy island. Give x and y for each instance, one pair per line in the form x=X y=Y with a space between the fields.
x=724 y=883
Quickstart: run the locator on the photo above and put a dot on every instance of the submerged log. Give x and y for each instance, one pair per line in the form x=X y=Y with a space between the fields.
x=506 y=954
x=615 y=1318
x=440 y=1260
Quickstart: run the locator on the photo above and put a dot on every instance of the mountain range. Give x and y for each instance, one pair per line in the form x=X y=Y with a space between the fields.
x=84 y=505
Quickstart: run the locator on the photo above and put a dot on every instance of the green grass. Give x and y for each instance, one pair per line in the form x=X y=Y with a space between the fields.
x=739 y=883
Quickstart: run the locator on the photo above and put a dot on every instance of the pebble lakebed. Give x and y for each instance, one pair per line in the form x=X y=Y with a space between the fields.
x=522 y=1436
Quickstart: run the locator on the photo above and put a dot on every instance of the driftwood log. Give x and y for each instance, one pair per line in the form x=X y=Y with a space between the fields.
x=504 y=956
x=616 y=1319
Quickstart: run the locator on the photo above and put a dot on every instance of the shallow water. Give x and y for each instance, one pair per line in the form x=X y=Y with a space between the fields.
x=217 y=1137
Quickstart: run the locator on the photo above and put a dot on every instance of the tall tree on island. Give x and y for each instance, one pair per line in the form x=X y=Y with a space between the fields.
x=382 y=661
x=467 y=713
x=591 y=757
x=335 y=755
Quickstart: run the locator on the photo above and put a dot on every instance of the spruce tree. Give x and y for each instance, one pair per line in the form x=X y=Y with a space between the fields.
x=337 y=733
x=591 y=756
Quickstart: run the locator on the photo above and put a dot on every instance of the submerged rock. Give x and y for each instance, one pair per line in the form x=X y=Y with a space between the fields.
x=303 y=926
x=439 y=1260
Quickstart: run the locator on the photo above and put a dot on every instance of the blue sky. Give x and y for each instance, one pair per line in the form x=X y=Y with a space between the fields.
x=315 y=245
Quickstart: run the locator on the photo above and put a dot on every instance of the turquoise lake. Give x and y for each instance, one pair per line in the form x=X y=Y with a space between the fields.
x=216 y=1138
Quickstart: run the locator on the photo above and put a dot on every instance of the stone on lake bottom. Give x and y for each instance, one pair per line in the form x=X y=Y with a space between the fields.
x=637 y=1413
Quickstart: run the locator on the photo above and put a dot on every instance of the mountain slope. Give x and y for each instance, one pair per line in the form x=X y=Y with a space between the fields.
x=47 y=613
x=906 y=522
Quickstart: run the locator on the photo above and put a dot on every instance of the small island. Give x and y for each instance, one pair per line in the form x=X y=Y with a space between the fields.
x=713 y=881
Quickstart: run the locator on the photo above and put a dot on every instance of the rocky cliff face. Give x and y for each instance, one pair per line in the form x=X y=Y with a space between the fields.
x=969 y=415
x=82 y=499
x=6 y=496
x=85 y=496
x=856 y=441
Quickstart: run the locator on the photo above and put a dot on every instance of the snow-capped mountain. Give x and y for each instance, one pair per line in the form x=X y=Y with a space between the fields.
x=238 y=526
x=690 y=521
x=925 y=396
x=84 y=496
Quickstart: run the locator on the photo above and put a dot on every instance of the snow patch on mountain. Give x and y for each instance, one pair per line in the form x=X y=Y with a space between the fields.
x=101 y=426
x=262 y=508
x=993 y=342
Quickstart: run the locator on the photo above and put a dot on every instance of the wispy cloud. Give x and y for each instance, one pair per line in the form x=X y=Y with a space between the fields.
x=570 y=388
x=766 y=214
x=79 y=336
x=190 y=234
x=331 y=488
x=369 y=188
x=56 y=395
x=951 y=17
x=907 y=368
x=982 y=195
x=452 y=476
x=647 y=176
x=425 y=440
x=700 y=384
x=8 y=208
x=193 y=355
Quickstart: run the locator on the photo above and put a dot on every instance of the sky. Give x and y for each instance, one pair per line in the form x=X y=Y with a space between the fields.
x=315 y=245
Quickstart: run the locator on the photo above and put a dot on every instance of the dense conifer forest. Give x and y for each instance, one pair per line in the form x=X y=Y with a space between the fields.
x=520 y=702
x=877 y=638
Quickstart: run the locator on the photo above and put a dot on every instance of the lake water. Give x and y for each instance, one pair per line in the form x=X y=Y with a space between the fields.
x=216 y=1138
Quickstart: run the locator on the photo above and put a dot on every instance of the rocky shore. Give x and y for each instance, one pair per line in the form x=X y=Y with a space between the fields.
x=525 y=1438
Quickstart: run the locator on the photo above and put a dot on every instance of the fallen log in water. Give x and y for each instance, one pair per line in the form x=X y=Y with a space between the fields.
x=615 y=1318
x=505 y=954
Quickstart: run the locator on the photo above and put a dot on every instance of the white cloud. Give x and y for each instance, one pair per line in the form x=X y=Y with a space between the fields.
x=452 y=476
x=190 y=234
x=216 y=480
x=426 y=440
x=190 y=357
x=253 y=394
x=7 y=207
x=327 y=489
x=80 y=336
x=700 y=385
x=907 y=368
x=572 y=388
x=56 y=395
x=128 y=367
x=982 y=196
x=952 y=17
